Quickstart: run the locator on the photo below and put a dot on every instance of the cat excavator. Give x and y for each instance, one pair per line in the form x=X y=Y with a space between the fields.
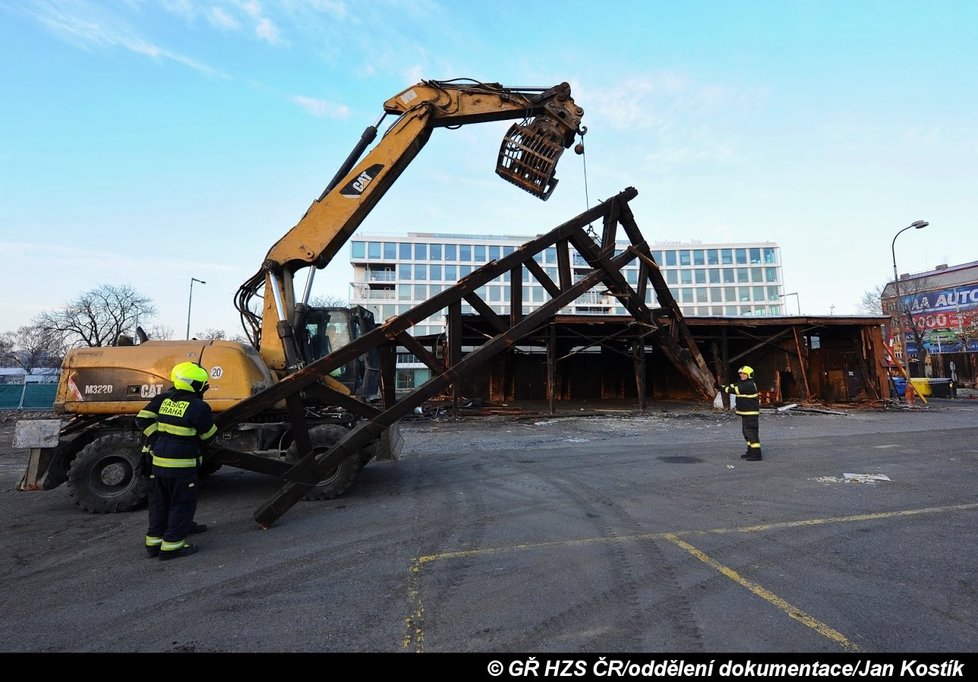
x=95 y=446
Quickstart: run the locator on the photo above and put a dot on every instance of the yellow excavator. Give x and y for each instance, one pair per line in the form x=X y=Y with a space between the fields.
x=95 y=447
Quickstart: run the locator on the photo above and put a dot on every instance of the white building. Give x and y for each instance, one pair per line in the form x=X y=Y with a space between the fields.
x=393 y=273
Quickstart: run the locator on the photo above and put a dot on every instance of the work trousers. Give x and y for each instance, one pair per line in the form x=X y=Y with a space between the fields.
x=172 y=503
x=749 y=426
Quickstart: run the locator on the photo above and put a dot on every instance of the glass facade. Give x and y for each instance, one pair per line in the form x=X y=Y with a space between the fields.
x=393 y=274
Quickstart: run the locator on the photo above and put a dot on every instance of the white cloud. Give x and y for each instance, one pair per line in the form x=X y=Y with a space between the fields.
x=221 y=19
x=267 y=31
x=320 y=107
x=89 y=26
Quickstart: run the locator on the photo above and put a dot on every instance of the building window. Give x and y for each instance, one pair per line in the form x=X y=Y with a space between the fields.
x=742 y=275
x=420 y=252
x=728 y=276
x=671 y=259
x=770 y=256
x=373 y=249
x=465 y=253
x=684 y=257
x=755 y=256
x=671 y=277
x=771 y=274
x=451 y=252
x=685 y=277
x=714 y=275
x=698 y=258
x=420 y=272
x=436 y=272
x=404 y=250
x=480 y=253
x=357 y=250
x=390 y=250
x=450 y=273
x=494 y=253
x=699 y=276
x=434 y=251
x=726 y=256
x=741 y=256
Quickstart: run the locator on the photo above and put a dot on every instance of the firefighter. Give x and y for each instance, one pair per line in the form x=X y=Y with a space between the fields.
x=176 y=424
x=745 y=392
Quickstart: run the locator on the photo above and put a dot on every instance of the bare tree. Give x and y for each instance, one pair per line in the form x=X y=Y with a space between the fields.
x=911 y=319
x=328 y=302
x=7 y=350
x=872 y=301
x=33 y=346
x=210 y=334
x=160 y=332
x=98 y=317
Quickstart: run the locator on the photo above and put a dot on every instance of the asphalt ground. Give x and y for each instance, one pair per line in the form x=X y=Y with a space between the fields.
x=602 y=533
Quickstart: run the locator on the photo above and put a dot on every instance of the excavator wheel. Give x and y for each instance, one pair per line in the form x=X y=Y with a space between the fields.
x=106 y=476
x=339 y=479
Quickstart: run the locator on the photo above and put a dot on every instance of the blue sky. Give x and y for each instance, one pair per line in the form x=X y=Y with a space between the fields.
x=146 y=142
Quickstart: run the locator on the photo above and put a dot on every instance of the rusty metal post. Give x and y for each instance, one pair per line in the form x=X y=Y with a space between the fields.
x=552 y=367
x=801 y=363
x=638 y=349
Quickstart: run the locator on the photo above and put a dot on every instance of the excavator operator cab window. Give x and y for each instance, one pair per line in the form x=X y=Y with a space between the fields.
x=325 y=332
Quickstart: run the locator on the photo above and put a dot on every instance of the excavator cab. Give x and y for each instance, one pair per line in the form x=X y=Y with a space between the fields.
x=329 y=329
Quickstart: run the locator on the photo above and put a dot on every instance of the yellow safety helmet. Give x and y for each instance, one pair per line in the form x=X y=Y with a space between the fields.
x=189 y=376
x=749 y=371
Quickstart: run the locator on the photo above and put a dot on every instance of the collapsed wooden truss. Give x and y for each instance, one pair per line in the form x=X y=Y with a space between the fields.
x=663 y=327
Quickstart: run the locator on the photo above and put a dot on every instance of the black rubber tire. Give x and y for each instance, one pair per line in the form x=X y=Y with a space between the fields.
x=343 y=476
x=107 y=475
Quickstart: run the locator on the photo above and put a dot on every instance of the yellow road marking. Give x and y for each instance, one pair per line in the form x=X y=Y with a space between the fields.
x=792 y=611
x=415 y=622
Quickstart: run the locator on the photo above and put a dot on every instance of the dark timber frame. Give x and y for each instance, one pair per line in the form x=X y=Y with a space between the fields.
x=664 y=327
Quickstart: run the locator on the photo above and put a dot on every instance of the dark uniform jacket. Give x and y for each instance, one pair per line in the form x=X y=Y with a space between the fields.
x=176 y=424
x=747 y=399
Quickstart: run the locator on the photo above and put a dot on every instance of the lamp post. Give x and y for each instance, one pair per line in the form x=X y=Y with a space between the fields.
x=190 y=302
x=797 y=299
x=916 y=225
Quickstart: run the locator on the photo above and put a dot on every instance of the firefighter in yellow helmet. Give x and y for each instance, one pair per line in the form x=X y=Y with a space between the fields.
x=748 y=407
x=176 y=425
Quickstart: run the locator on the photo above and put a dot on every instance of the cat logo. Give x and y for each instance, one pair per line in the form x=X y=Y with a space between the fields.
x=358 y=185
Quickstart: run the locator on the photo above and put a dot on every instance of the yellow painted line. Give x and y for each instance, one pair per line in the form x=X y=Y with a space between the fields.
x=415 y=622
x=792 y=611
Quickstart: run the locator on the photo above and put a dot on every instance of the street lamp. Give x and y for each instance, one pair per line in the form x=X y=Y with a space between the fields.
x=191 y=302
x=797 y=299
x=916 y=225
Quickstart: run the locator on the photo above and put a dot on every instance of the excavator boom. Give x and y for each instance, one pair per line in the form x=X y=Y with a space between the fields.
x=528 y=156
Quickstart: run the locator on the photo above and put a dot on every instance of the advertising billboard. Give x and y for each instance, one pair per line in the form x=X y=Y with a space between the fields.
x=946 y=318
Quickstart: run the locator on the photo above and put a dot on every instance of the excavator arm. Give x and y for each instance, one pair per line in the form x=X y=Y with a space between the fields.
x=527 y=157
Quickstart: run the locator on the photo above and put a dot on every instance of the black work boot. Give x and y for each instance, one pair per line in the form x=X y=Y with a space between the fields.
x=186 y=550
x=754 y=456
x=152 y=552
x=197 y=528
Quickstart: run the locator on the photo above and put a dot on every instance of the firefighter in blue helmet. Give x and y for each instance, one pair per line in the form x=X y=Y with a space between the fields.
x=176 y=425
x=748 y=407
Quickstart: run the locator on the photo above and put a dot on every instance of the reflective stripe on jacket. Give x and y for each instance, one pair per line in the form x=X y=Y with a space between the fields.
x=176 y=424
x=747 y=398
